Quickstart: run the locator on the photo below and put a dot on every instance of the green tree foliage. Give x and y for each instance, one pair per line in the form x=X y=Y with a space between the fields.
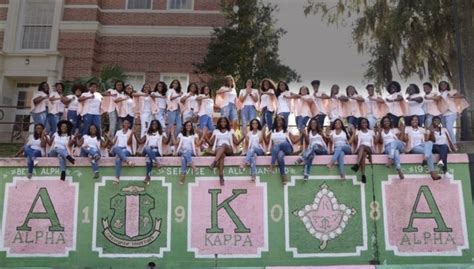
x=247 y=46
x=105 y=80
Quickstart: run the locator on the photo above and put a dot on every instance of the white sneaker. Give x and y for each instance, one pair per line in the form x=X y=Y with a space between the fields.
x=447 y=175
x=35 y=162
x=440 y=163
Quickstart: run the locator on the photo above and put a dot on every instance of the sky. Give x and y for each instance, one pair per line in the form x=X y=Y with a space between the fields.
x=317 y=50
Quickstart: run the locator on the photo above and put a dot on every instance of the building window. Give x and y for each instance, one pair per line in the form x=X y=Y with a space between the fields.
x=183 y=78
x=139 y=4
x=37 y=23
x=136 y=80
x=180 y=4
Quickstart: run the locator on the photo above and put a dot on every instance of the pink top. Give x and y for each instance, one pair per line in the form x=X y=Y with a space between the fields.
x=41 y=106
x=172 y=104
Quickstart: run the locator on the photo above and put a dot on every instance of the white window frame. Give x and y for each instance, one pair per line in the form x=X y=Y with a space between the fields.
x=178 y=9
x=184 y=84
x=135 y=74
x=126 y=6
x=20 y=30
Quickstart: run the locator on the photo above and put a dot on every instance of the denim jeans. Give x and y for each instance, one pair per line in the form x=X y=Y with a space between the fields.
x=393 y=150
x=428 y=120
x=90 y=119
x=285 y=115
x=206 y=121
x=61 y=153
x=186 y=159
x=442 y=150
x=448 y=123
x=151 y=153
x=93 y=153
x=248 y=113
x=121 y=154
x=308 y=155
x=267 y=118
x=52 y=123
x=395 y=120
x=372 y=121
x=73 y=118
x=251 y=158
x=230 y=112
x=427 y=150
x=301 y=122
x=354 y=121
x=39 y=117
x=31 y=155
x=161 y=117
x=113 y=122
x=174 y=118
x=421 y=120
x=278 y=154
x=339 y=153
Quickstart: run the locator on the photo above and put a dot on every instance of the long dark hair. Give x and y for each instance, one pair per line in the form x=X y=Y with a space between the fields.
x=270 y=82
x=117 y=82
x=448 y=87
x=35 y=135
x=183 y=131
x=68 y=125
x=278 y=91
x=97 y=131
x=318 y=128
x=386 y=117
x=195 y=86
x=204 y=87
x=163 y=85
x=333 y=126
x=259 y=127
x=359 y=126
x=285 y=124
x=41 y=87
x=218 y=124
x=347 y=90
x=160 y=128
x=178 y=89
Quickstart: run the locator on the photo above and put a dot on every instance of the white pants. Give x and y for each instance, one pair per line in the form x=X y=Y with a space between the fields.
x=145 y=120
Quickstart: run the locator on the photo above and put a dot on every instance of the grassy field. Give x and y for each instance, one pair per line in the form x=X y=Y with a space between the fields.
x=8 y=149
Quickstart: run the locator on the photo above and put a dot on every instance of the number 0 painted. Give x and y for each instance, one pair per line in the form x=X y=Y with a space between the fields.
x=276 y=212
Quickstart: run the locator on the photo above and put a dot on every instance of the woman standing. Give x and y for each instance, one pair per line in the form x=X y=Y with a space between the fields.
x=223 y=141
x=122 y=149
x=206 y=109
x=174 y=94
x=254 y=145
x=417 y=140
x=335 y=104
x=364 y=140
x=415 y=104
x=91 y=102
x=284 y=98
x=249 y=99
x=160 y=94
x=268 y=103
x=431 y=104
x=394 y=102
x=304 y=108
x=60 y=142
x=389 y=137
x=39 y=104
x=455 y=103
x=73 y=106
x=90 y=145
x=34 y=148
x=110 y=105
x=55 y=107
x=189 y=103
x=146 y=107
x=442 y=144
x=340 y=146
x=316 y=143
x=126 y=105
x=351 y=105
x=226 y=98
x=281 y=144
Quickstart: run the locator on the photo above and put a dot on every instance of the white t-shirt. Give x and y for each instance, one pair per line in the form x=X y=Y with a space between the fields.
x=90 y=142
x=248 y=100
x=146 y=105
x=278 y=137
x=160 y=101
x=153 y=139
x=391 y=105
x=175 y=102
x=122 y=138
x=207 y=107
x=415 y=108
x=339 y=139
x=390 y=136
x=60 y=141
x=366 y=139
x=319 y=101
x=94 y=103
x=35 y=144
x=334 y=108
x=41 y=106
x=187 y=142
x=191 y=103
x=370 y=105
x=74 y=104
x=441 y=137
x=283 y=106
x=230 y=96
x=451 y=109
x=254 y=139
x=222 y=138
x=417 y=136
x=129 y=105
x=265 y=99
x=316 y=139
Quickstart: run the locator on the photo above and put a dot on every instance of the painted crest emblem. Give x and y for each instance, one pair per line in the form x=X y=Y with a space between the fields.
x=325 y=218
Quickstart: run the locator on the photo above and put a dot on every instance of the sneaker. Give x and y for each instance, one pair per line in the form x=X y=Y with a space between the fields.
x=147 y=180
x=97 y=157
x=447 y=175
x=96 y=175
x=29 y=175
x=92 y=161
x=440 y=163
x=182 y=178
x=298 y=161
x=400 y=174
x=355 y=168
x=116 y=180
x=35 y=162
x=63 y=176
x=253 y=178
x=70 y=159
x=364 y=179
x=305 y=178
x=284 y=179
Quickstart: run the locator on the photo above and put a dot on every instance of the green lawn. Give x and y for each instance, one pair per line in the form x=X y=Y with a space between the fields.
x=8 y=149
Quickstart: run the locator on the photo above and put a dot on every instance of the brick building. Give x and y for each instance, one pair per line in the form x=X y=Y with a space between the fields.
x=53 y=40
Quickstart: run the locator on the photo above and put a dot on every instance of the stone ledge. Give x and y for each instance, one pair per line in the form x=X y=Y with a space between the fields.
x=229 y=161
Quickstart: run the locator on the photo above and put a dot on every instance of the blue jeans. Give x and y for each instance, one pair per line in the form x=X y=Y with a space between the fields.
x=251 y=158
x=31 y=155
x=301 y=122
x=90 y=119
x=39 y=117
x=161 y=116
x=448 y=123
x=267 y=118
x=113 y=122
x=421 y=120
x=206 y=121
x=52 y=123
x=186 y=159
x=372 y=121
x=393 y=150
x=248 y=113
x=61 y=153
x=339 y=153
x=93 y=153
x=152 y=153
x=442 y=150
x=121 y=154
x=428 y=120
x=395 y=120
x=285 y=115
x=73 y=118
x=174 y=118
x=278 y=154
x=427 y=150
x=308 y=155
x=230 y=112
x=354 y=121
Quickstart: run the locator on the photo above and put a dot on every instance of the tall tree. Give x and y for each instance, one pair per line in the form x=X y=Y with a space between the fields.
x=410 y=38
x=247 y=46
